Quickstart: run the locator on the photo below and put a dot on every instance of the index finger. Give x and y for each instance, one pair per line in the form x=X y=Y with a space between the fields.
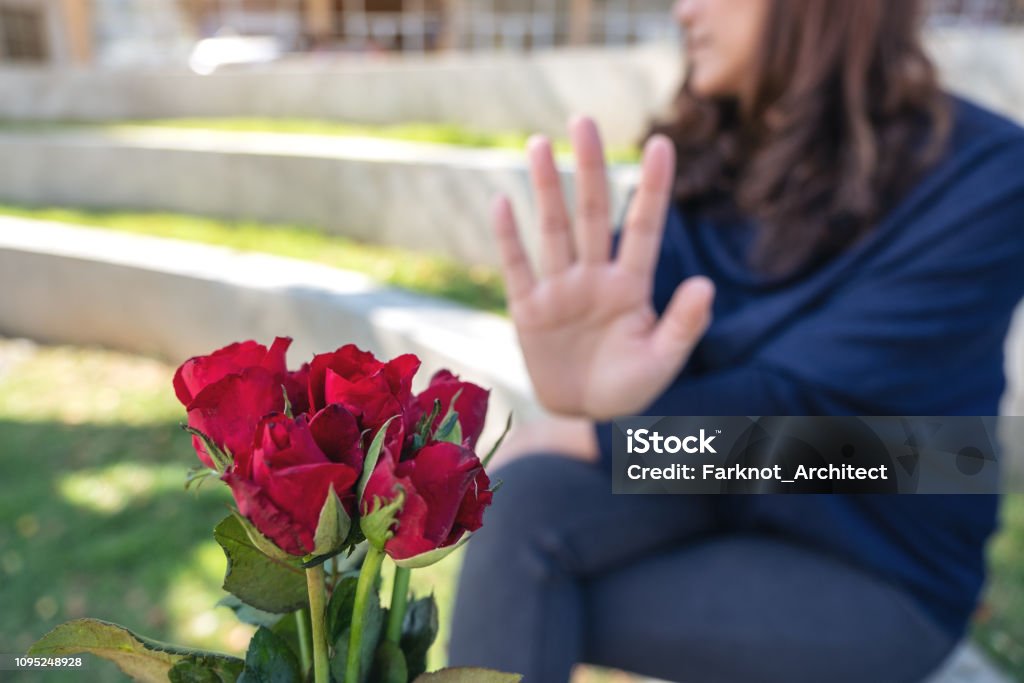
x=645 y=221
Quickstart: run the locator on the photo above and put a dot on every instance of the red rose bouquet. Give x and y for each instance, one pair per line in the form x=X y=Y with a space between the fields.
x=332 y=467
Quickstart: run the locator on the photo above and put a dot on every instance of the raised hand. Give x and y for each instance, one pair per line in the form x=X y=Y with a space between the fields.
x=592 y=341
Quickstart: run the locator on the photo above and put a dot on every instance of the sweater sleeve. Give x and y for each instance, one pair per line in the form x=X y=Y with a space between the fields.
x=914 y=333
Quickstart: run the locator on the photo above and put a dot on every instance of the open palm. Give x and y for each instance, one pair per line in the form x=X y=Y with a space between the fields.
x=592 y=341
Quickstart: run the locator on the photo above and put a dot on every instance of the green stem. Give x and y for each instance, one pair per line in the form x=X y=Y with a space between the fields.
x=315 y=583
x=364 y=587
x=302 y=626
x=399 y=600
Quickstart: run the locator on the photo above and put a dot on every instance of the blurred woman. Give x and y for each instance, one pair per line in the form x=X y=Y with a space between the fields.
x=819 y=230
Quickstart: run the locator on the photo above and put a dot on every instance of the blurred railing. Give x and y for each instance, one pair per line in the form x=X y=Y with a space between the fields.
x=152 y=31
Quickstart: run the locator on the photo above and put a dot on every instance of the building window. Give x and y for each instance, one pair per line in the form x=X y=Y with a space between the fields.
x=21 y=35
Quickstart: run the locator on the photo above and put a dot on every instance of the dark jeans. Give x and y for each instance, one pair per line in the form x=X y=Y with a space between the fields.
x=564 y=572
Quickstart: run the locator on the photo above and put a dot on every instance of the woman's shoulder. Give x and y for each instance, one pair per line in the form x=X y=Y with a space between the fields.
x=975 y=125
x=970 y=206
x=982 y=167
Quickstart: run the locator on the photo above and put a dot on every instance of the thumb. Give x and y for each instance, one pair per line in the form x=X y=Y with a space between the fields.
x=685 y=320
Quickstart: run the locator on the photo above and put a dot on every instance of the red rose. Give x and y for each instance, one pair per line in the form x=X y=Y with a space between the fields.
x=229 y=410
x=446 y=491
x=197 y=373
x=206 y=384
x=371 y=390
x=471 y=405
x=281 y=487
x=297 y=385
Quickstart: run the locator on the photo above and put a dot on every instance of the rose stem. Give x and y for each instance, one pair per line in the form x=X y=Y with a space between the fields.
x=315 y=583
x=367 y=578
x=399 y=600
x=302 y=625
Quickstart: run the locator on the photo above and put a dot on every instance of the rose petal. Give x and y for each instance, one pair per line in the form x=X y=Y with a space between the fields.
x=199 y=372
x=471 y=404
x=282 y=442
x=302 y=490
x=337 y=434
x=229 y=410
x=256 y=506
x=297 y=385
x=471 y=511
x=442 y=474
x=274 y=360
x=348 y=361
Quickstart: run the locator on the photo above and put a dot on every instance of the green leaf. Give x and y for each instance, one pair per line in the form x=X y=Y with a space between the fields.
x=372 y=455
x=264 y=544
x=419 y=630
x=270 y=660
x=189 y=671
x=468 y=675
x=497 y=444
x=287 y=404
x=288 y=629
x=339 y=609
x=222 y=458
x=141 y=658
x=427 y=421
x=389 y=664
x=197 y=475
x=377 y=523
x=373 y=629
x=248 y=614
x=197 y=670
x=266 y=583
x=332 y=527
x=449 y=430
x=431 y=556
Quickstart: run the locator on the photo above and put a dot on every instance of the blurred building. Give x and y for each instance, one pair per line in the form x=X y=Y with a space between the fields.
x=429 y=25
x=131 y=32
x=145 y=31
x=54 y=31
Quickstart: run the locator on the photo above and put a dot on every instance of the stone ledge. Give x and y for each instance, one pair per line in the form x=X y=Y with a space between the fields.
x=433 y=198
x=175 y=299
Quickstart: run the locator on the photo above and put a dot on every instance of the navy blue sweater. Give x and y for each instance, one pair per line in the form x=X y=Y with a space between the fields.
x=910 y=320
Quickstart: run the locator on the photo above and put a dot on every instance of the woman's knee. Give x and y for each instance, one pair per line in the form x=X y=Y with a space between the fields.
x=536 y=491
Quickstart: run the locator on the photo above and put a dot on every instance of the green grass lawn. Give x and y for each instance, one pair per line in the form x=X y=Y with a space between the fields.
x=474 y=286
x=434 y=133
x=1000 y=629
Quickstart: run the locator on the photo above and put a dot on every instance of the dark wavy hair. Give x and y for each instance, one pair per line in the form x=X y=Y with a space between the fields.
x=845 y=114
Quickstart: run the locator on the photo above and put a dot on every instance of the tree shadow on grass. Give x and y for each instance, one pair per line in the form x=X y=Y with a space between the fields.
x=95 y=521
